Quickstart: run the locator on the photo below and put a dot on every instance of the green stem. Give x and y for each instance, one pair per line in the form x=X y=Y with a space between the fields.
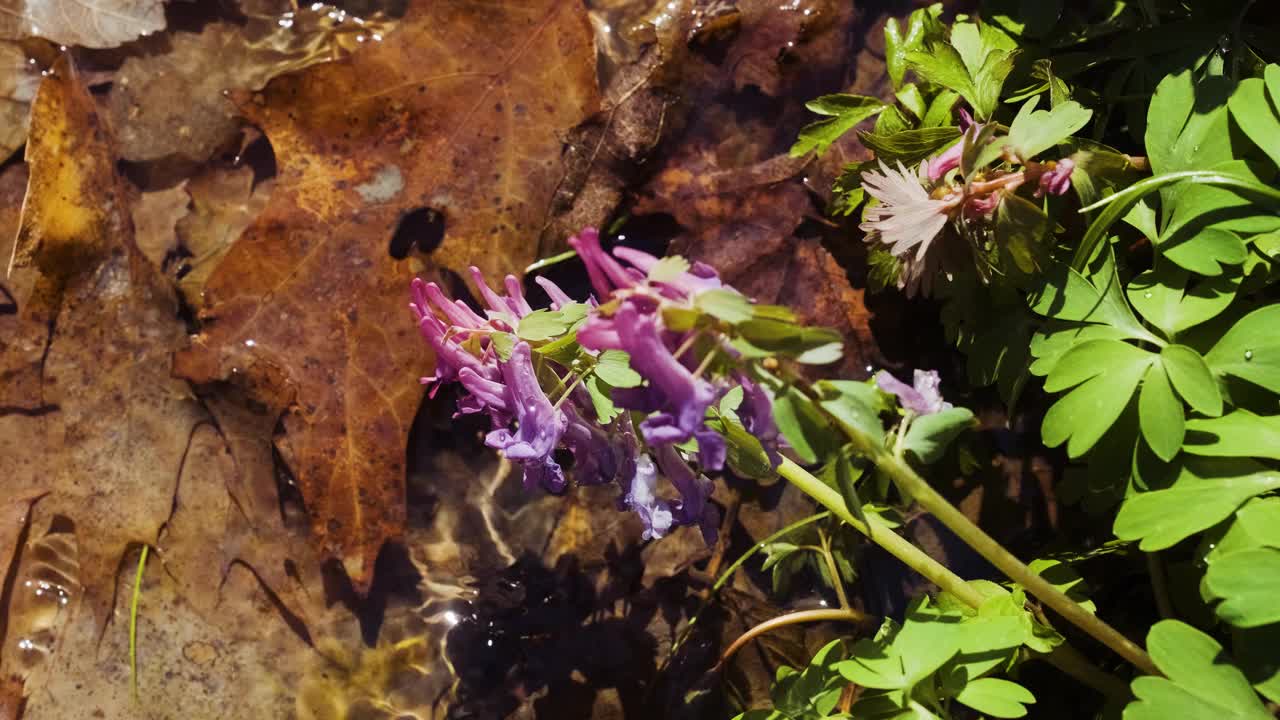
x=1117 y=205
x=794 y=618
x=1064 y=657
x=831 y=568
x=881 y=534
x=133 y=623
x=986 y=546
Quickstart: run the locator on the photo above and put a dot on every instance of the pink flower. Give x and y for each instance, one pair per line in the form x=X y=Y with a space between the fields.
x=907 y=217
x=1057 y=179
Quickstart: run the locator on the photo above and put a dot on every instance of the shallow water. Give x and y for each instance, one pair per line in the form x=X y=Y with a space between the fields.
x=488 y=601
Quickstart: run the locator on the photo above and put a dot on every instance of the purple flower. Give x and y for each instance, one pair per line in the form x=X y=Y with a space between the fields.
x=595 y=458
x=921 y=398
x=642 y=499
x=606 y=273
x=539 y=425
x=1057 y=179
x=756 y=414
x=681 y=400
x=695 y=490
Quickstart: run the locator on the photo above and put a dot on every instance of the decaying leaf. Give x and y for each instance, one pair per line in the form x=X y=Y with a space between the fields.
x=223 y=203
x=175 y=103
x=18 y=81
x=155 y=215
x=88 y=23
x=447 y=113
x=112 y=425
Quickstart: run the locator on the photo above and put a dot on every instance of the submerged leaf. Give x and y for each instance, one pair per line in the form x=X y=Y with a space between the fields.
x=89 y=23
x=310 y=304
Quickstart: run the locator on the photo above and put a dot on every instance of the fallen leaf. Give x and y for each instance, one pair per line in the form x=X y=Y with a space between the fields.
x=445 y=113
x=174 y=103
x=224 y=201
x=112 y=425
x=18 y=81
x=155 y=216
x=88 y=23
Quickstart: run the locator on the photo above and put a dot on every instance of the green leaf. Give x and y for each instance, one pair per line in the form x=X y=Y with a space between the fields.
x=1199 y=684
x=727 y=305
x=1205 y=252
x=786 y=338
x=1248 y=581
x=929 y=435
x=988 y=83
x=996 y=697
x=1166 y=297
x=1160 y=414
x=1255 y=650
x=1250 y=350
x=922 y=25
x=1260 y=518
x=614 y=367
x=845 y=476
x=1191 y=377
x=1162 y=518
x=908 y=146
x=802 y=424
x=845 y=112
x=856 y=406
x=732 y=400
x=942 y=65
x=1021 y=227
x=542 y=325
x=503 y=344
x=746 y=456
x=668 y=269
x=939 y=112
x=1187 y=125
x=1236 y=434
x=1089 y=410
x=1065 y=578
x=1256 y=114
x=1035 y=131
x=902 y=659
x=600 y=400
x=1068 y=295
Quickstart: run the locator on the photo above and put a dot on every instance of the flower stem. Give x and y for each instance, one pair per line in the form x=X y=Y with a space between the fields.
x=881 y=534
x=986 y=546
x=831 y=568
x=794 y=618
x=1064 y=657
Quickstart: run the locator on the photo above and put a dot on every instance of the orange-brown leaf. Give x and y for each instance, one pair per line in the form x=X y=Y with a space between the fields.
x=459 y=110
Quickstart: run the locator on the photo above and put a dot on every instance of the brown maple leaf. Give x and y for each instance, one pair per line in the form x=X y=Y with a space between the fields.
x=460 y=110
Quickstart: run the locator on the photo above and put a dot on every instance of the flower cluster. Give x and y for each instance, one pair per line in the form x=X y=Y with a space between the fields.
x=511 y=369
x=915 y=205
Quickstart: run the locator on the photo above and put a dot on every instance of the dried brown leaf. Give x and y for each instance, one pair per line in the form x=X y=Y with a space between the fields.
x=175 y=103
x=88 y=23
x=114 y=423
x=224 y=201
x=447 y=112
x=155 y=215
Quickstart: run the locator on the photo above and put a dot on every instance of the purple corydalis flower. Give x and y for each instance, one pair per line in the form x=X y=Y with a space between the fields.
x=756 y=414
x=923 y=397
x=606 y=273
x=642 y=499
x=539 y=425
x=695 y=490
x=1057 y=179
x=681 y=398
